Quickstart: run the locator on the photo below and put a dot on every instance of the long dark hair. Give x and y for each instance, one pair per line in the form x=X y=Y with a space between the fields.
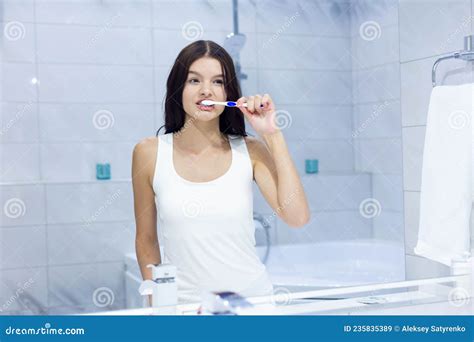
x=231 y=121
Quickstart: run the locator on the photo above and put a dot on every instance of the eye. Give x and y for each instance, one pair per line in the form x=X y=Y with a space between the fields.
x=219 y=81
x=193 y=80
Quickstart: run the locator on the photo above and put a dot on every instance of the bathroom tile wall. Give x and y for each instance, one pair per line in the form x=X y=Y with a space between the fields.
x=77 y=89
x=426 y=32
x=376 y=110
x=304 y=61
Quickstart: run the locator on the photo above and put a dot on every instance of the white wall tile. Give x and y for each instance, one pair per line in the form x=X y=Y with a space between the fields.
x=89 y=202
x=19 y=122
x=15 y=10
x=19 y=162
x=333 y=155
x=22 y=205
x=105 y=13
x=194 y=17
x=388 y=190
x=376 y=84
x=98 y=242
x=88 y=44
x=379 y=155
x=306 y=87
x=383 y=12
x=377 y=120
x=368 y=51
x=316 y=122
x=17 y=82
x=297 y=17
x=388 y=225
x=22 y=247
x=23 y=287
x=433 y=27
x=18 y=43
x=87 y=122
x=64 y=83
x=77 y=162
x=304 y=52
x=413 y=145
x=82 y=284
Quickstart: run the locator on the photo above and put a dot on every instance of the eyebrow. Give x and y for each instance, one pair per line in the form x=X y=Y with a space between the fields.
x=195 y=72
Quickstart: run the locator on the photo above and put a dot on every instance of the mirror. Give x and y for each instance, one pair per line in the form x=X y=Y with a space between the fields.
x=84 y=82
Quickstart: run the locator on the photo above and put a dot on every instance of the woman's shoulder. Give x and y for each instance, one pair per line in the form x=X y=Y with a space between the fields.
x=144 y=155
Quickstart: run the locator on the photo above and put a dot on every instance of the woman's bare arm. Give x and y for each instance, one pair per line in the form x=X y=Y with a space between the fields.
x=146 y=240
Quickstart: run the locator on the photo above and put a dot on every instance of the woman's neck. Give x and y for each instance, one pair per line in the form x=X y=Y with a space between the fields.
x=197 y=136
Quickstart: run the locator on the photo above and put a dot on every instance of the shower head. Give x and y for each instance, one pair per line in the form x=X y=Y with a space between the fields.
x=234 y=43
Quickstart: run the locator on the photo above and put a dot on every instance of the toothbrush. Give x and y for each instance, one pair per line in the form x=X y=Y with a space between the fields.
x=226 y=103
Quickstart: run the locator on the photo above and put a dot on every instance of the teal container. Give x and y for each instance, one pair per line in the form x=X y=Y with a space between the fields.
x=312 y=166
x=103 y=171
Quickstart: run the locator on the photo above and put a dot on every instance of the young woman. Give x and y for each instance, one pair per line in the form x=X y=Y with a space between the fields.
x=194 y=183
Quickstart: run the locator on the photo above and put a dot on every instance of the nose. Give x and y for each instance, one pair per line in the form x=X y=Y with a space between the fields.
x=205 y=89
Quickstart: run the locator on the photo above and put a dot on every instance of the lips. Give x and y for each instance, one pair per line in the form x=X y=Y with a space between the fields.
x=206 y=108
x=203 y=107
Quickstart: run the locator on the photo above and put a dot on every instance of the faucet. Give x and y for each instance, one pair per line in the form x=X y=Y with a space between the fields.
x=266 y=226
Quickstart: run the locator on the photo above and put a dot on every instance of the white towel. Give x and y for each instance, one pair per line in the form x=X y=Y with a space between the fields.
x=447 y=188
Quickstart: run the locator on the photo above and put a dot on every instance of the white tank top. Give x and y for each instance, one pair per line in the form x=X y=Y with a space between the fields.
x=206 y=229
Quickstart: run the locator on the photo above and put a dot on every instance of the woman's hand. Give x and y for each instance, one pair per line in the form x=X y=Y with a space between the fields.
x=261 y=118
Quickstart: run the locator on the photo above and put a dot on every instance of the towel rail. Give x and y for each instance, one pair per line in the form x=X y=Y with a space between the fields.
x=467 y=55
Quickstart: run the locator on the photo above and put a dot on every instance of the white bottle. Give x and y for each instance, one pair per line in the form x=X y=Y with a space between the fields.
x=162 y=287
